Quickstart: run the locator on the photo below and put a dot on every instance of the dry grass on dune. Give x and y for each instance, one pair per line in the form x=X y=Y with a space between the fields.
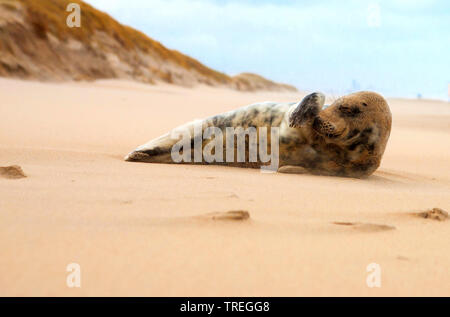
x=38 y=44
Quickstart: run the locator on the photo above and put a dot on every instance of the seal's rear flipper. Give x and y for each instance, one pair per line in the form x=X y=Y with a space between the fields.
x=155 y=151
x=159 y=150
x=155 y=155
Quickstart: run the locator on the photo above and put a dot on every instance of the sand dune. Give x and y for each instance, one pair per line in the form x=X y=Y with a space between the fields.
x=36 y=43
x=149 y=229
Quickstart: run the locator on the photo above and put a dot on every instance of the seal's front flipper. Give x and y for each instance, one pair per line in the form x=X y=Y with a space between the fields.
x=307 y=110
x=291 y=169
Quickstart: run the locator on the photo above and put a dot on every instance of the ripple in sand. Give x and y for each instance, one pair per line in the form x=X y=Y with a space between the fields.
x=435 y=214
x=235 y=215
x=14 y=172
x=365 y=227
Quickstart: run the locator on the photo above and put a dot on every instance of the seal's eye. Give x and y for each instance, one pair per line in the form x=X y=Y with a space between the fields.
x=364 y=104
x=348 y=111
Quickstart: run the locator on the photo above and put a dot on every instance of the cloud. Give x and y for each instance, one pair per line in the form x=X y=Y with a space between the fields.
x=315 y=45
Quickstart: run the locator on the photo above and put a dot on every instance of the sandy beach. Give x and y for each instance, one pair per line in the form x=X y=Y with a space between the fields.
x=141 y=229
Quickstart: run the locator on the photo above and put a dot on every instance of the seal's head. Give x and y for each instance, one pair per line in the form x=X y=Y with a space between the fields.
x=350 y=135
x=350 y=116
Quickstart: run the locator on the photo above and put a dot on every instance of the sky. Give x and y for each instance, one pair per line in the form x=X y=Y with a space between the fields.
x=400 y=48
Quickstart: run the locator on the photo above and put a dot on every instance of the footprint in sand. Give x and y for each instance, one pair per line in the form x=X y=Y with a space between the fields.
x=434 y=214
x=234 y=215
x=365 y=227
x=13 y=172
